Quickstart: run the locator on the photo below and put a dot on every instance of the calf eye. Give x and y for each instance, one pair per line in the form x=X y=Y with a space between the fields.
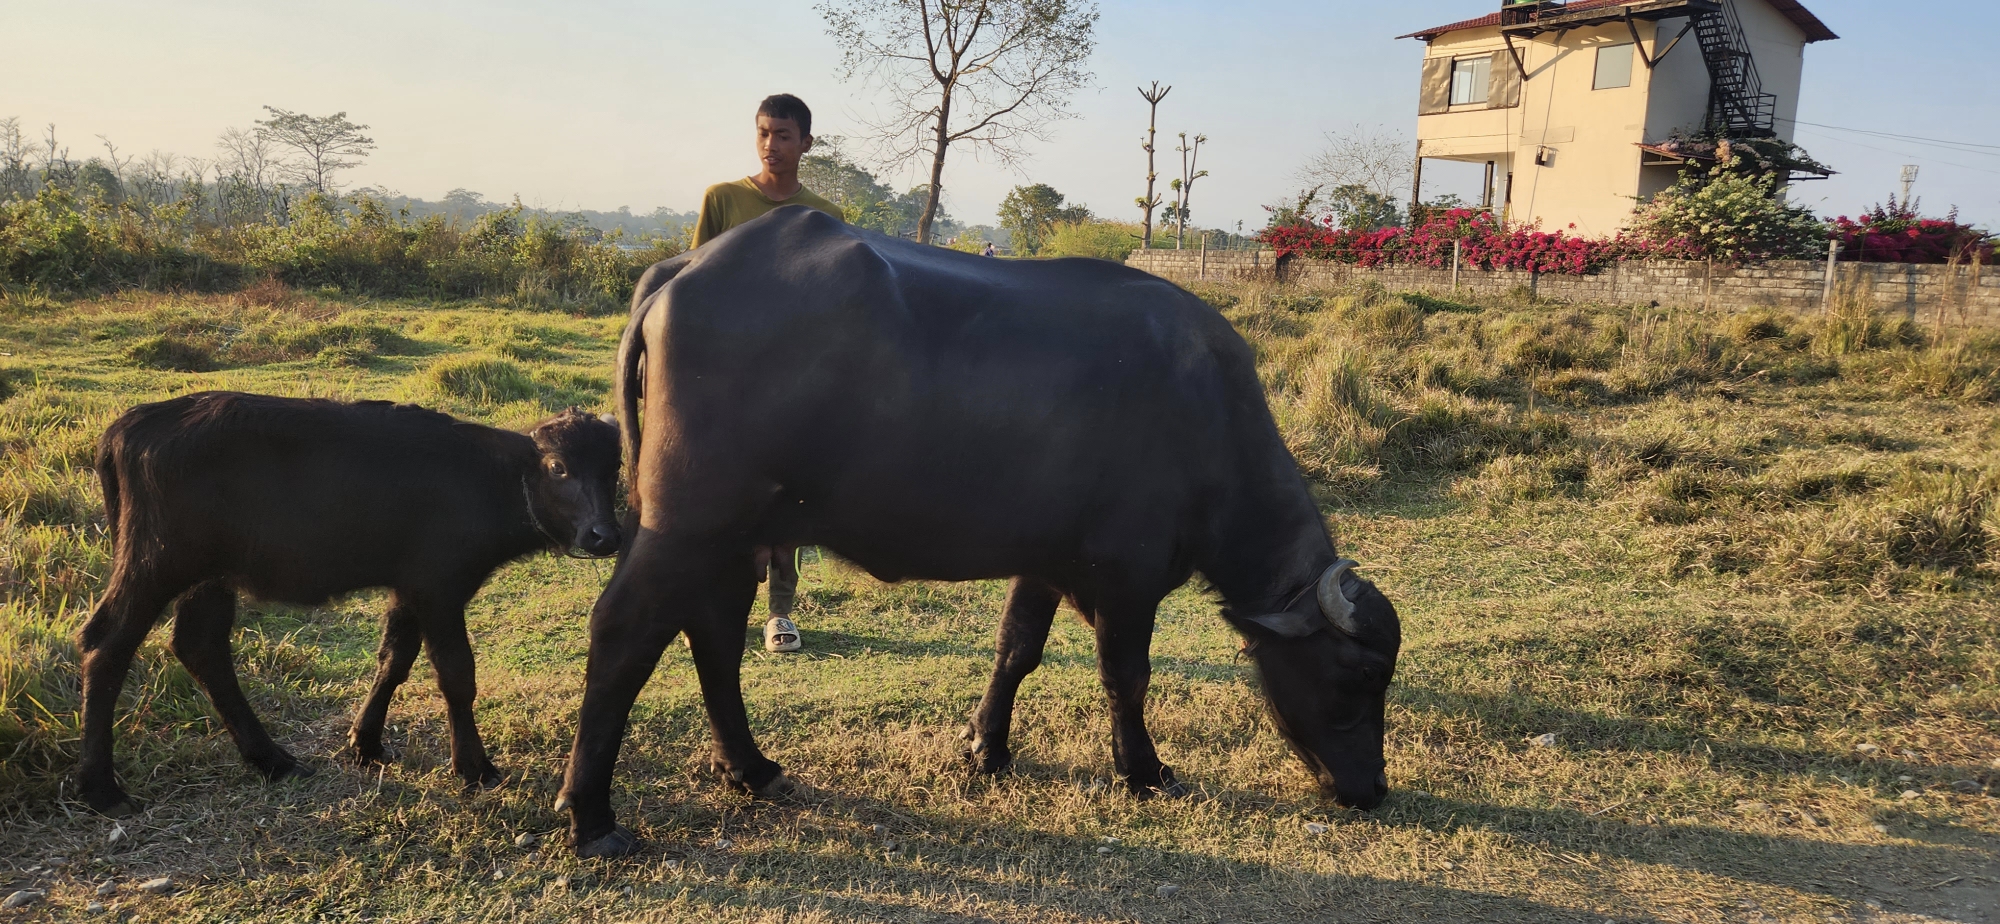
x=557 y=469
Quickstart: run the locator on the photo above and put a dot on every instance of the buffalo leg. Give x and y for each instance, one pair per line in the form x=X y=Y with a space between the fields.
x=629 y=628
x=451 y=659
x=107 y=643
x=1124 y=663
x=715 y=638
x=203 y=619
x=402 y=636
x=1024 y=632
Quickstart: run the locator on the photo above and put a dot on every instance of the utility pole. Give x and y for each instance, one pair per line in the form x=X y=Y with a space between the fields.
x=1150 y=202
x=1909 y=179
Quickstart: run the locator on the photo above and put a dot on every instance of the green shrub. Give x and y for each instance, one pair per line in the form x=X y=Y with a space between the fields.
x=482 y=379
x=171 y=353
x=1105 y=240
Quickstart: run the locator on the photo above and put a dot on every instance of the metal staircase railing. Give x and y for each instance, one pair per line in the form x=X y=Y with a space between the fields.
x=1737 y=103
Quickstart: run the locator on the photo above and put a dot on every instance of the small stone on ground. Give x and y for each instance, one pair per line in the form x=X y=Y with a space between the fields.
x=524 y=841
x=160 y=886
x=1167 y=890
x=1968 y=786
x=1544 y=740
x=107 y=888
x=22 y=899
x=1315 y=827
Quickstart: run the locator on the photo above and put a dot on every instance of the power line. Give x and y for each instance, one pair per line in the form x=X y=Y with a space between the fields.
x=1968 y=147
x=1926 y=157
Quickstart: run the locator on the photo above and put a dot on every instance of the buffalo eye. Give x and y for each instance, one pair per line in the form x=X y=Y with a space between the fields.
x=557 y=469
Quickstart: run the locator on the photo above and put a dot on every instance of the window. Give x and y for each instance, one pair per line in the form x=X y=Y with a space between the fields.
x=1471 y=79
x=1614 y=67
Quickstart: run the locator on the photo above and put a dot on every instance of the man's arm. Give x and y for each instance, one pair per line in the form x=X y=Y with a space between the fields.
x=710 y=223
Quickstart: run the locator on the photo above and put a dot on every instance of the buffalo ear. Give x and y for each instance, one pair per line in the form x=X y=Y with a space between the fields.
x=1289 y=625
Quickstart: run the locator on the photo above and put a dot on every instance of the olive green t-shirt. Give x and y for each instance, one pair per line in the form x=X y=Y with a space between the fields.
x=726 y=205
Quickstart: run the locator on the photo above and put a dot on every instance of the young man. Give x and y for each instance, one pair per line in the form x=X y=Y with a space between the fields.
x=784 y=134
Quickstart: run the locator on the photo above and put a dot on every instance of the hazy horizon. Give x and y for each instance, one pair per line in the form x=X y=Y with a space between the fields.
x=609 y=104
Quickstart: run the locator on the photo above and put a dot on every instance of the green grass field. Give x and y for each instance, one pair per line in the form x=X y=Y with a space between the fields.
x=1741 y=568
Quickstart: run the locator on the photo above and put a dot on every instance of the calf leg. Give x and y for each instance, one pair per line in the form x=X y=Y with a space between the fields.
x=107 y=643
x=402 y=635
x=1124 y=639
x=451 y=658
x=1024 y=633
x=203 y=619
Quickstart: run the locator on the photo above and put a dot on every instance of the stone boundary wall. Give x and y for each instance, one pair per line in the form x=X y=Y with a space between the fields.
x=1914 y=290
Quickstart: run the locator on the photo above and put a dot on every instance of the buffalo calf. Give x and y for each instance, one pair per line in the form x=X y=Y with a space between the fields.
x=299 y=500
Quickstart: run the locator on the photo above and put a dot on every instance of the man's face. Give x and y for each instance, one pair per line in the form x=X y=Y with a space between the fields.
x=780 y=144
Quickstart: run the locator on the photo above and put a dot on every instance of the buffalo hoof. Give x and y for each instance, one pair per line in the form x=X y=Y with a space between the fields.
x=354 y=756
x=1164 y=785
x=618 y=843
x=991 y=763
x=283 y=767
x=783 y=788
x=114 y=804
x=487 y=777
x=739 y=780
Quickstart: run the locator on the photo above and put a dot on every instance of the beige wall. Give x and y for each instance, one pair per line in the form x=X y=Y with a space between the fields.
x=1595 y=179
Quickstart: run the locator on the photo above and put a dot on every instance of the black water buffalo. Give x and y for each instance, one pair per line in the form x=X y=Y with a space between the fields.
x=299 y=500
x=1089 y=430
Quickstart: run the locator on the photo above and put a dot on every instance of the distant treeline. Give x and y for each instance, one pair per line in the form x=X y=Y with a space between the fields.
x=168 y=222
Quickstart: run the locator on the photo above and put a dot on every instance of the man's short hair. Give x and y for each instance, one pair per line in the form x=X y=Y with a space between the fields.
x=787 y=106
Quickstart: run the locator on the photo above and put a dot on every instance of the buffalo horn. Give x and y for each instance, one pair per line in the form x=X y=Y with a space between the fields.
x=1338 y=609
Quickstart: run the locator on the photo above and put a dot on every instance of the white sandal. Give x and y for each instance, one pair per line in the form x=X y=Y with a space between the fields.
x=781 y=634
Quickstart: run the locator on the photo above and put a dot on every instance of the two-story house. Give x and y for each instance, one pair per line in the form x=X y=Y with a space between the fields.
x=1567 y=105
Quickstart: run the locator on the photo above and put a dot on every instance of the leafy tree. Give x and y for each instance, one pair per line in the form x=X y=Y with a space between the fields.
x=1730 y=213
x=992 y=74
x=1358 y=208
x=1029 y=212
x=325 y=144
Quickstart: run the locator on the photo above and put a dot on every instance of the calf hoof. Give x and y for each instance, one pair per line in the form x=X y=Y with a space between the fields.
x=618 y=843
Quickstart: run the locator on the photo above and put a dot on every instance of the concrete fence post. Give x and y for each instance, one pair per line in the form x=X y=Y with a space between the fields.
x=1455 y=260
x=1204 y=255
x=1826 y=288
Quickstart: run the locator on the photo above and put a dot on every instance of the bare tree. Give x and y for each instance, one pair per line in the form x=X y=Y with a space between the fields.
x=326 y=144
x=1150 y=201
x=991 y=74
x=249 y=155
x=1377 y=159
x=1183 y=185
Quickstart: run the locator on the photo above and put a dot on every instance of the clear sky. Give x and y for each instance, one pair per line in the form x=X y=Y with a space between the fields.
x=592 y=104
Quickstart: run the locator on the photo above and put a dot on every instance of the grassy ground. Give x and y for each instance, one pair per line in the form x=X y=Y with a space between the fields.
x=1741 y=569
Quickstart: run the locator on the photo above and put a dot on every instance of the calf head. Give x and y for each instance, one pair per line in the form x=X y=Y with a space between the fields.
x=573 y=495
x=1324 y=663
